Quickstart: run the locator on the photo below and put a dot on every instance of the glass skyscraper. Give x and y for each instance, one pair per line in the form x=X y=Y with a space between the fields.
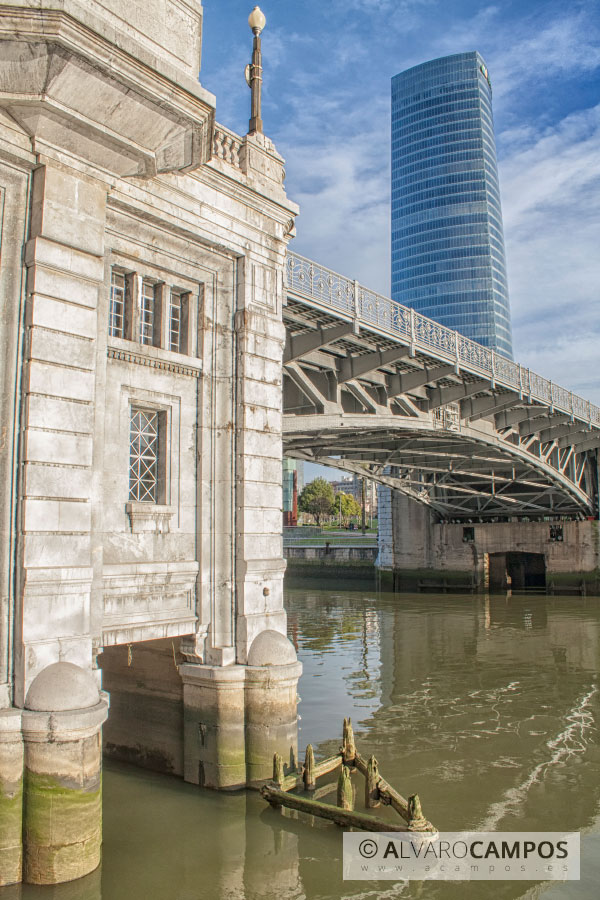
x=448 y=259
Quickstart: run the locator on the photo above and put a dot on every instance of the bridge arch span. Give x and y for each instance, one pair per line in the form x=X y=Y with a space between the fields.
x=465 y=472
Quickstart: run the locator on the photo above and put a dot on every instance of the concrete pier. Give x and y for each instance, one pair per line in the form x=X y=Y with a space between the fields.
x=416 y=552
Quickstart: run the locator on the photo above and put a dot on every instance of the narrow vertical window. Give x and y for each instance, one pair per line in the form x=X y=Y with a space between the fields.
x=179 y=303
x=116 y=315
x=175 y=321
x=147 y=313
x=143 y=455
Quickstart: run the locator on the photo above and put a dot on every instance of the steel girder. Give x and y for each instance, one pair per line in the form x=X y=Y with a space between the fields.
x=470 y=474
x=373 y=388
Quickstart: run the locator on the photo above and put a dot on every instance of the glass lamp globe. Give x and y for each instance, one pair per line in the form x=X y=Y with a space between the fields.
x=256 y=20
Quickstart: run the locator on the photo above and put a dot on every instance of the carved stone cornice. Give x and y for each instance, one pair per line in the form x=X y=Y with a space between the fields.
x=140 y=359
x=75 y=90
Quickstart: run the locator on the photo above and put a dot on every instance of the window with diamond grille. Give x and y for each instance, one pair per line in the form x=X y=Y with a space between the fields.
x=147 y=313
x=143 y=455
x=116 y=316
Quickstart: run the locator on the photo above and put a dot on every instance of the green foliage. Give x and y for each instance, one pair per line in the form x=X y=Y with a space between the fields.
x=348 y=505
x=317 y=499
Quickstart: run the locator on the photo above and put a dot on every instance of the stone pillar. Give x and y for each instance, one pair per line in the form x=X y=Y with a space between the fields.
x=62 y=827
x=237 y=717
x=259 y=564
x=271 y=704
x=214 y=753
x=65 y=272
x=385 y=532
x=11 y=796
x=14 y=194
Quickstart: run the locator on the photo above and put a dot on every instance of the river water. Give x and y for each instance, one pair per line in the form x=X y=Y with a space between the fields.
x=488 y=708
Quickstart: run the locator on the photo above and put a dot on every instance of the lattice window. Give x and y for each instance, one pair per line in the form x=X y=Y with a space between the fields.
x=175 y=321
x=116 y=317
x=147 y=303
x=143 y=455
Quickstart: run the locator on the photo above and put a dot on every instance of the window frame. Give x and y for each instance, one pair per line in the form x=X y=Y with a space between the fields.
x=116 y=272
x=147 y=306
x=160 y=456
x=183 y=343
x=161 y=515
x=157 y=333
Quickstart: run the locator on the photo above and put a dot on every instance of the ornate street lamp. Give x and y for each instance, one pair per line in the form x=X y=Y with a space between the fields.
x=257 y=22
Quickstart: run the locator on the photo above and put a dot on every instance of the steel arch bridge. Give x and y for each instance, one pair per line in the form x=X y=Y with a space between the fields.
x=378 y=390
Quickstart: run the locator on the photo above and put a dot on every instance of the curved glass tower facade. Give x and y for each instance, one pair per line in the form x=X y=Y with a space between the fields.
x=448 y=259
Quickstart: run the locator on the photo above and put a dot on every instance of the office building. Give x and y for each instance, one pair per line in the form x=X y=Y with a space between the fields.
x=448 y=259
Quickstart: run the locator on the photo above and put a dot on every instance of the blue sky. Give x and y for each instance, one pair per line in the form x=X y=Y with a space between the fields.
x=326 y=104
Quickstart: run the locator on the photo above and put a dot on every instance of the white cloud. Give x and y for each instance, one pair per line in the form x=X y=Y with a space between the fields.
x=344 y=209
x=568 y=44
x=532 y=47
x=550 y=185
x=405 y=13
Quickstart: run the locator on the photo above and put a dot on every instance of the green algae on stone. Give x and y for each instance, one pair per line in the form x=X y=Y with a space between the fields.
x=11 y=811
x=62 y=828
x=55 y=808
x=11 y=805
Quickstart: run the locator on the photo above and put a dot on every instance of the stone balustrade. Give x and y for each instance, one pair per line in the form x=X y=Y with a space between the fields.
x=227 y=145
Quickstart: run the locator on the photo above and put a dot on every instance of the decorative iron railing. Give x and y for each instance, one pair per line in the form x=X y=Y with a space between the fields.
x=324 y=287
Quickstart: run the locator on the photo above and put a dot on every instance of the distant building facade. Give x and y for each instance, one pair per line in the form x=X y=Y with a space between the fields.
x=448 y=258
x=353 y=485
x=290 y=492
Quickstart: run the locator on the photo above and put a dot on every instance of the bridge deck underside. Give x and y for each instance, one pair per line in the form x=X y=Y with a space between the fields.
x=451 y=435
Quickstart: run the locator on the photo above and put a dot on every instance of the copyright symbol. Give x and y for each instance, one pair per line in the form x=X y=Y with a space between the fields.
x=368 y=849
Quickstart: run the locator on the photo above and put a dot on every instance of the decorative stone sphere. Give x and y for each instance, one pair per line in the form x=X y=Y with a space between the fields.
x=271 y=648
x=62 y=686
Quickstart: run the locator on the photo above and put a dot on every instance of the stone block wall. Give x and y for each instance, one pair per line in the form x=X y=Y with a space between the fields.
x=385 y=533
x=425 y=551
x=120 y=201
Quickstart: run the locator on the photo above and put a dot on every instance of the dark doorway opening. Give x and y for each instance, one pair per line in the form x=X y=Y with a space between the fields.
x=517 y=571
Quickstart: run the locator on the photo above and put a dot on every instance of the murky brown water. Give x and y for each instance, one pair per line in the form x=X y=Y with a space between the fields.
x=488 y=708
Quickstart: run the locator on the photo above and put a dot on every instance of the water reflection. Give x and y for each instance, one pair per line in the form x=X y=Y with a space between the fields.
x=487 y=707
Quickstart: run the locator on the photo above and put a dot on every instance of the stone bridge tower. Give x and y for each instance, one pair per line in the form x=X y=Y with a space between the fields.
x=142 y=253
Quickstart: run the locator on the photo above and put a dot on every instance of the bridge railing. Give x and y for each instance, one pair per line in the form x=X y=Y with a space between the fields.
x=329 y=289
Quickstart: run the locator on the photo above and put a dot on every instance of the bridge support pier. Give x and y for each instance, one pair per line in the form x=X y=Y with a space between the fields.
x=237 y=717
x=271 y=718
x=50 y=779
x=11 y=796
x=62 y=822
x=213 y=738
x=417 y=553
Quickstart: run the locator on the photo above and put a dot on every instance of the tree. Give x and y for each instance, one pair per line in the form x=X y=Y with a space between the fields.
x=317 y=499
x=348 y=506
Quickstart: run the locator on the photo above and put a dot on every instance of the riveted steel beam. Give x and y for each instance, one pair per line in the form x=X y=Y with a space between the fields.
x=541 y=423
x=441 y=396
x=408 y=381
x=513 y=417
x=475 y=408
x=298 y=345
x=355 y=366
